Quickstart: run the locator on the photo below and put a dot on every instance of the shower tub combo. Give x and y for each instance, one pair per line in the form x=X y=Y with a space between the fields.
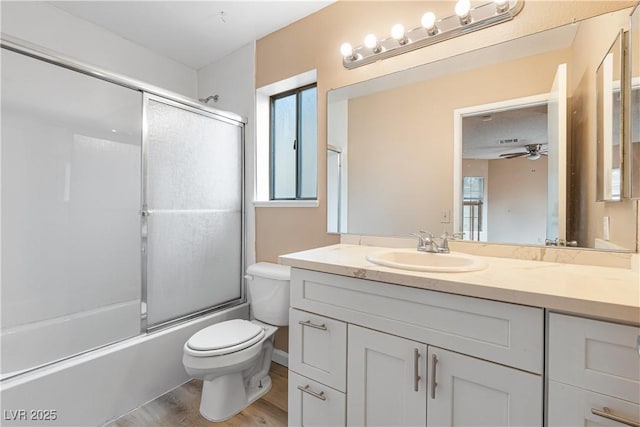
x=122 y=235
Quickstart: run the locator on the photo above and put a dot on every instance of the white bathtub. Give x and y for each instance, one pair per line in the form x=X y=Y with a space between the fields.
x=38 y=343
x=99 y=386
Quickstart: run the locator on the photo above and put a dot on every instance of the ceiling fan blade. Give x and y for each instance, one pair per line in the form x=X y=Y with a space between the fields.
x=513 y=155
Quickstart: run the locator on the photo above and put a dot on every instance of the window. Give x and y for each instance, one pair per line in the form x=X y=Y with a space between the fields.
x=293 y=145
x=472 y=201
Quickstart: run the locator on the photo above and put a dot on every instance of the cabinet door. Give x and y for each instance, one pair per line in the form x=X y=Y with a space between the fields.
x=385 y=380
x=465 y=391
x=318 y=348
x=314 y=404
x=572 y=406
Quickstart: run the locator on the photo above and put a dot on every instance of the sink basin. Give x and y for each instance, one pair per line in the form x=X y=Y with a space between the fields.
x=411 y=259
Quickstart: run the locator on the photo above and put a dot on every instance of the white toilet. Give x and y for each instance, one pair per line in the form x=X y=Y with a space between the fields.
x=233 y=357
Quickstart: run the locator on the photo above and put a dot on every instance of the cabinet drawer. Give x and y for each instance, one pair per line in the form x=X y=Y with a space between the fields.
x=318 y=348
x=508 y=334
x=595 y=355
x=314 y=404
x=572 y=406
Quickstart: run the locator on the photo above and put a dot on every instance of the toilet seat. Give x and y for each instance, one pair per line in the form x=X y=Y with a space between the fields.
x=224 y=338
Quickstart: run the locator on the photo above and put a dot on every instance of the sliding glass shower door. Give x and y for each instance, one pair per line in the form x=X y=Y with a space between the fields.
x=121 y=210
x=71 y=156
x=192 y=216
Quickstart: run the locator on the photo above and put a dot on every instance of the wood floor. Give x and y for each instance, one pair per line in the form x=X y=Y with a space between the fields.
x=180 y=408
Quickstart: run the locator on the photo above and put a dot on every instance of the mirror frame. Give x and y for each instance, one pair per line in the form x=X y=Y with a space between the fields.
x=606 y=86
x=632 y=79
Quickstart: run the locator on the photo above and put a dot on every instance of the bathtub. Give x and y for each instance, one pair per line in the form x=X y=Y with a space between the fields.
x=98 y=386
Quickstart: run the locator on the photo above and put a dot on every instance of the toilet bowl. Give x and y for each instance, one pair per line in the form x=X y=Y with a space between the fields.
x=233 y=357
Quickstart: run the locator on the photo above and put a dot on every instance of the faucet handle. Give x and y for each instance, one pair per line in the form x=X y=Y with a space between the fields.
x=420 y=237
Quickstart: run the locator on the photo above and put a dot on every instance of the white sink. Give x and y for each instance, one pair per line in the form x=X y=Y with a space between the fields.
x=411 y=259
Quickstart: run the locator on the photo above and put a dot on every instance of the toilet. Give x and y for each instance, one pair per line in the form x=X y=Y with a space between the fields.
x=233 y=357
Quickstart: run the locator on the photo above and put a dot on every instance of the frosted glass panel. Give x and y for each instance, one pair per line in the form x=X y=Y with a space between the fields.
x=71 y=174
x=195 y=199
x=194 y=263
x=194 y=161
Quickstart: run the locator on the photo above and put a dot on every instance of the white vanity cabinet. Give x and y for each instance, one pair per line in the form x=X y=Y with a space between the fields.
x=490 y=355
x=465 y=391
x=387 y=379
x=594 y=372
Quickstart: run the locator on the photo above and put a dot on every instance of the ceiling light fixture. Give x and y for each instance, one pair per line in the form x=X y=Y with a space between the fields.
x=465 y=20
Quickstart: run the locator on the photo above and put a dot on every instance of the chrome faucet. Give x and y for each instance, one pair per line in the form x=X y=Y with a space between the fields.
x=427 y=243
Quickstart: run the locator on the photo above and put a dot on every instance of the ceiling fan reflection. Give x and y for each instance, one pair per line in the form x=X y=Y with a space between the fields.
x=534 y=151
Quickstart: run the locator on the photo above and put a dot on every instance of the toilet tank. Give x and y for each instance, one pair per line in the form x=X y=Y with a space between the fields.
x=268 y=287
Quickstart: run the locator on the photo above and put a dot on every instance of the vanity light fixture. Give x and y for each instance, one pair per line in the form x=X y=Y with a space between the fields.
x=432 y=30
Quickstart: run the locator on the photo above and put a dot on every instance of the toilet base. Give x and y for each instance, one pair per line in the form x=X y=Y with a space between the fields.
x=226 y=396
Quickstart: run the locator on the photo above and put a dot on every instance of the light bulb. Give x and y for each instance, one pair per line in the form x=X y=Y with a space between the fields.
x=533 y=156
x=501 y=5
x=370 y=41
x=397 y=32
x=462 y=9
x=346 y=49
x=429 y=23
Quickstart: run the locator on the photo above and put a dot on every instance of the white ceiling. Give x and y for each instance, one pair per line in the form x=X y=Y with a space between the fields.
x=481 y=133
x=194 y=33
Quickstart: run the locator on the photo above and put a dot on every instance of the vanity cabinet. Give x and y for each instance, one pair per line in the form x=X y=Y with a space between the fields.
x=489 y=355
x=465 y=391
x=594 y=372
x=387 y=379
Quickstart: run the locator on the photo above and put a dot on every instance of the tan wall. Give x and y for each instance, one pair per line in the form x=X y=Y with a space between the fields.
x=588 y=50
x=313 y=42
x=400 y=142
x=518 y=200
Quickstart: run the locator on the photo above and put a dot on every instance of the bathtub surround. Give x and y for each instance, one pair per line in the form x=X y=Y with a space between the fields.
x=101 y=385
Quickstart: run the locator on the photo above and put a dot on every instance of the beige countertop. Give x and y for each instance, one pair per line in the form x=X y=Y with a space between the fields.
x=601 y=292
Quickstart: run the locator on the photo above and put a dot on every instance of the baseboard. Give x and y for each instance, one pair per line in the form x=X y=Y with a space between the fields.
x=280 y=357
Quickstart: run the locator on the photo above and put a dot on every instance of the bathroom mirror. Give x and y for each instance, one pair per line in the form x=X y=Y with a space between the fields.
x=632 y=154
x=609 y=123
x=393 y=167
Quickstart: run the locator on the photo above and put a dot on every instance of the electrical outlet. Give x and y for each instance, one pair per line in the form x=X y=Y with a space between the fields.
x=445 y=217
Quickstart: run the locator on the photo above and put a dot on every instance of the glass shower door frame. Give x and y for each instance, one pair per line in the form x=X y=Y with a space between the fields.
x=145 y=213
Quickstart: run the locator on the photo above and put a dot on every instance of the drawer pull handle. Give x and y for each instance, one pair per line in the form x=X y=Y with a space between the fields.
x=416 y=369
x=434 y=383
x=606 y=413
x=307 y=390
x=308 y=323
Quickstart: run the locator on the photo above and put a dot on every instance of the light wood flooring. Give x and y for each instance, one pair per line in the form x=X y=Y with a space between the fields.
x=180 y=408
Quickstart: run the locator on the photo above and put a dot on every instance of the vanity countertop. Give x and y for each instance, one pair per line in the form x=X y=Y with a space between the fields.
x=602 y=292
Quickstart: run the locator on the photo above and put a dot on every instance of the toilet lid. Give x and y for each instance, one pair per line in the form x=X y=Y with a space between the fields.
x=231 y=333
